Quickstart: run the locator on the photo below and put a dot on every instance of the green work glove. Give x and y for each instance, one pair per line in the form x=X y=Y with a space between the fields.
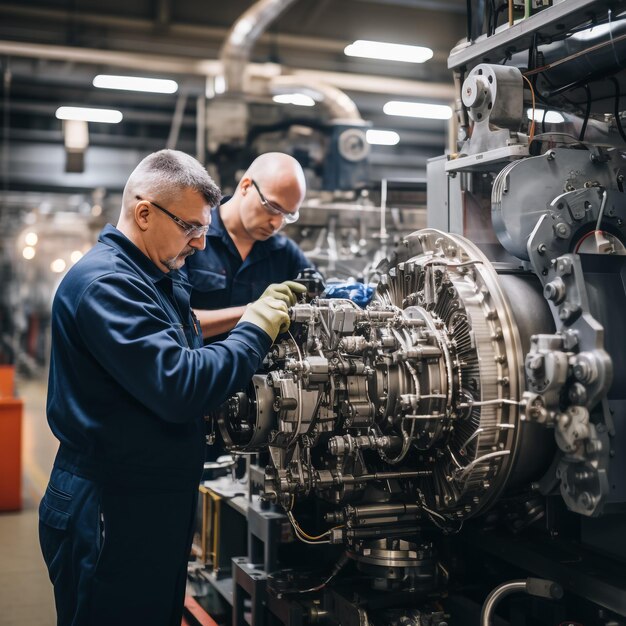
x=269 y=314
x=284 y=291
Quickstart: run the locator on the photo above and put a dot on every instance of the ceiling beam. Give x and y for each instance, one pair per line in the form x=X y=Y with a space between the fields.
x=442 y=6
x=209 y=68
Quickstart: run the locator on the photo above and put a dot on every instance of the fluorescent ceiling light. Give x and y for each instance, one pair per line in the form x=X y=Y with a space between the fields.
x=418 y=109
x=382 y=137
x=388 y=51
x=31 y=238
x=135 y=83
x=552 y=117
x=83 y=114
x=28 y=253
x=299 y=99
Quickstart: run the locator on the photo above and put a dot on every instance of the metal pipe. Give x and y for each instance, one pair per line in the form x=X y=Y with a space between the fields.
x=201 y=128
x=506 y=589
x=367 y=83
x=537 y=587
x=349 y=479
x=383 y=210
x=340 y=106
x=235 y=53
x=177 y=120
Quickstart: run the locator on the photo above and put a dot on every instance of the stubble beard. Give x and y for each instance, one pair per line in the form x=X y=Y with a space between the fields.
x=178 y=261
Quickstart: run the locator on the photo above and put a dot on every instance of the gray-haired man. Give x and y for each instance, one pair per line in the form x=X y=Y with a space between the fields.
x=129 y=385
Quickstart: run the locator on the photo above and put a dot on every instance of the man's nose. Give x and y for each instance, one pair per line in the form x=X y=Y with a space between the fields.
x=199 y=243
x=277 y=221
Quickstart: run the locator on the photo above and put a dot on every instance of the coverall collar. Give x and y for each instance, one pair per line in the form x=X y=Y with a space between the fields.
x=113 y=237
x=260 y=249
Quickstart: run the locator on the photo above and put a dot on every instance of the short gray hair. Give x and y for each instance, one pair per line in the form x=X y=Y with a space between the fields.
x=166 y=171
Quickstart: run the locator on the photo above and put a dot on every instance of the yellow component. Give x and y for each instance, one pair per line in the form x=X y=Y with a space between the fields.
x=211 y=503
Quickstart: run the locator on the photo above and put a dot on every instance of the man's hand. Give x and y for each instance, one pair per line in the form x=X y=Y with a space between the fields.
x=286 y=292
x=270 y=311
x=269 y=314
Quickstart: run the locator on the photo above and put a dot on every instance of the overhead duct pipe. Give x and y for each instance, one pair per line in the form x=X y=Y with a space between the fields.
x=339 y=105
x=235 y=53
x=345 y=165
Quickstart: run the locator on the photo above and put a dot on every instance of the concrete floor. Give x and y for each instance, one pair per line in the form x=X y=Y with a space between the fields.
x=25 y=590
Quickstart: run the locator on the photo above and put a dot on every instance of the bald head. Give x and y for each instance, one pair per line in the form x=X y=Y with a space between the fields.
x=278 y=170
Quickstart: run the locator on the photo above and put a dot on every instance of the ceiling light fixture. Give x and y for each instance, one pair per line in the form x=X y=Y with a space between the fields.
x=552 y=117
x=418 y=109
x=84 y=114
x=58 y=266
x=388 y=51
x=31 y=238
x=299 y=99
x=382 y=137
x=28 y=253
x=135 y=83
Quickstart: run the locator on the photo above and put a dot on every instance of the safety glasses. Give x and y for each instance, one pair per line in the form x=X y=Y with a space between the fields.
x=275 y=209
x=191 y=230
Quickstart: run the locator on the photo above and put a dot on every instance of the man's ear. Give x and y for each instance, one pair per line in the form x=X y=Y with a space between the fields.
x=142 y=214
x=244 y=184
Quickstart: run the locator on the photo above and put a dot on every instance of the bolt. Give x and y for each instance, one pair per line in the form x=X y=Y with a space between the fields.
x=562 y=230
x=555 y=290
x=564 y=313
x=584 y=369
x=578 y=393
x=541 y=248
x=551 y=155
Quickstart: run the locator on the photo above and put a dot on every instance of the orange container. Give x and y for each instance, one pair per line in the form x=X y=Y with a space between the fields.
x=7 y=381
x=10 y=442
x=10 y=454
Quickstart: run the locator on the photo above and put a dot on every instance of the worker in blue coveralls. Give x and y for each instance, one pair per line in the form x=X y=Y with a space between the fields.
x=245 y=253
x=129 y=385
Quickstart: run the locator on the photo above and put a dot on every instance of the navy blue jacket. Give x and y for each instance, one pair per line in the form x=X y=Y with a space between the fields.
x=129 y=379
x=219 y=279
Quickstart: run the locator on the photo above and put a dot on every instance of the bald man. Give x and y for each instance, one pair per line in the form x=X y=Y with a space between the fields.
x=244 y=251
x=130 y=382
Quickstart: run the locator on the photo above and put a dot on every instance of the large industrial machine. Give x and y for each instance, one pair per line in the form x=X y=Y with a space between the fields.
x=453 y=453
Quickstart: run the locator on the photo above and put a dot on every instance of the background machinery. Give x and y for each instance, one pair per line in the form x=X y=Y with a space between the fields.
x=464 y=433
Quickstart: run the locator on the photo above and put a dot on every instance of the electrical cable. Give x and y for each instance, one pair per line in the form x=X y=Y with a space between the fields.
x=341 y=563
x=571 y=57
x=583 y=128
x=616 y=111
x=304 y=536
x=531 y=130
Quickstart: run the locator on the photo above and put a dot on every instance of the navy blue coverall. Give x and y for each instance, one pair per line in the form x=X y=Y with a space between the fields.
x=129 y=385
x=220 y=279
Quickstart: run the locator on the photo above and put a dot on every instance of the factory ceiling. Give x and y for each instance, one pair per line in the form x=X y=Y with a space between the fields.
x=50 y=50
